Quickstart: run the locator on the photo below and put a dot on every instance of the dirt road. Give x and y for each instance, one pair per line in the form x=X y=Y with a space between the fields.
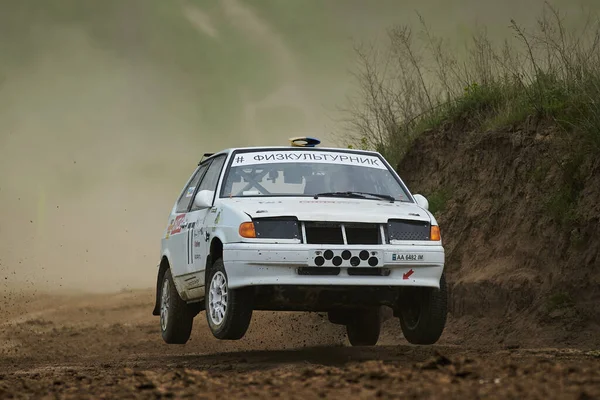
x=109 y=346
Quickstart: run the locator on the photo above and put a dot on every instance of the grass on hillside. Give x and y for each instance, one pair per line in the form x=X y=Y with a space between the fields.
x=416 y=83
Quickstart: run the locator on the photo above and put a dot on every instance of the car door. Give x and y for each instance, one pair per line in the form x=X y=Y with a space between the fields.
x=200 y=236
x=177 y=238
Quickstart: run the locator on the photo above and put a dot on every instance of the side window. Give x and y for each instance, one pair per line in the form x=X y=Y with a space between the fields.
x=211 y=179
x=188 y=193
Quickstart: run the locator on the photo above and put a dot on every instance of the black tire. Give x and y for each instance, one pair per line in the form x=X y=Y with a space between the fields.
x=339 y=316
x=423 y=313
x=176 y=319
x=234 y=319
x=364 y=327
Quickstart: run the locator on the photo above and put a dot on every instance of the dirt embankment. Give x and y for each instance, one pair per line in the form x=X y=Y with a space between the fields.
x=519 y=212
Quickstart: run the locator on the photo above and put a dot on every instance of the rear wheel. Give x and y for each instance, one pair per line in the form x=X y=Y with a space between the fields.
x=364 y=327
x=228 y=311
x=423 y=313
x=176 y=319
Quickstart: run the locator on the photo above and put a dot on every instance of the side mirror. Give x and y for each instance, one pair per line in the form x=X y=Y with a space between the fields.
x=203 y=199
x=421 y=201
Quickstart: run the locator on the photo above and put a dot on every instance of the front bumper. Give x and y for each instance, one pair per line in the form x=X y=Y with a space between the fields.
x=250 y=264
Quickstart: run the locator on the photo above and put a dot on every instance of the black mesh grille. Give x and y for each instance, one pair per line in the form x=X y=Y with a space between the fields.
x=408 y=230
x=323 y=233
x=277 y=228
x=362 y=233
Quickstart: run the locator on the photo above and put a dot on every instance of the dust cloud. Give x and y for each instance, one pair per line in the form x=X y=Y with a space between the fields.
x=105 y=107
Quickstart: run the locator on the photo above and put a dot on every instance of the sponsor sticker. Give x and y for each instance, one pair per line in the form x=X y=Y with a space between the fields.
x=190 y=191
x=325 y=157
x=176 y=228
x=189 y=225
x=169 y=228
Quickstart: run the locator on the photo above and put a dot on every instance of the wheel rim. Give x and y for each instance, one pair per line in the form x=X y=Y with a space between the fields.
x=164 y=305
x=217 y=298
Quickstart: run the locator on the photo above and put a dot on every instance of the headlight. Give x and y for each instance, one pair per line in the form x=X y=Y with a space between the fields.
x=277 y=228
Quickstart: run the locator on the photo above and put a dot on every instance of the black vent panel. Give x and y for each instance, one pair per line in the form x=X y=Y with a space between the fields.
x=277 y=228
x=362 y=233
x=369 y=271
x=323 y=233
x=319 y=271
x=408 y=230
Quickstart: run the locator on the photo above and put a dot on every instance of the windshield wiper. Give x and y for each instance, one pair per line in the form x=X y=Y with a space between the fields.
x=360 y=195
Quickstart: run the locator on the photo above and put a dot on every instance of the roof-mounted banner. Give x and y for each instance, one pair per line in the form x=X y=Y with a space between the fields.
x=316 y=156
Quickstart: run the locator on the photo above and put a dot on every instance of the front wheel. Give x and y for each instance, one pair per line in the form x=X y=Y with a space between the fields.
x=423 y=313
x=175 y=317
x=228 y=311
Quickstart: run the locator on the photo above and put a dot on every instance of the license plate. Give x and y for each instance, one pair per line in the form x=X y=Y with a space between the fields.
x=408 y=257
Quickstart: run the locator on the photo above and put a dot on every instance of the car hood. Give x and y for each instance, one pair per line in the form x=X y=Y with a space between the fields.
x=328 y=209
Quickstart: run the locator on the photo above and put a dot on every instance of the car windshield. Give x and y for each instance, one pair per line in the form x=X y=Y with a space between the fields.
x=310 y=172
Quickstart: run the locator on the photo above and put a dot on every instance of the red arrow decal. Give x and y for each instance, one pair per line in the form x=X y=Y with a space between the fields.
x=408 y=274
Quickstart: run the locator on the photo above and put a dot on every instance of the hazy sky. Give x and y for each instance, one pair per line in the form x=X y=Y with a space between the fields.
x=106 y=105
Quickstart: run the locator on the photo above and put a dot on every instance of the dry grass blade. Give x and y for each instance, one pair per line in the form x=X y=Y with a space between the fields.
x=417 y=83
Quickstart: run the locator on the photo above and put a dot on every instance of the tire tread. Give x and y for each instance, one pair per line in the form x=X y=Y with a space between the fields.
x=181 y=319
x=431 y=321
x=365 y=327
x=239 y=308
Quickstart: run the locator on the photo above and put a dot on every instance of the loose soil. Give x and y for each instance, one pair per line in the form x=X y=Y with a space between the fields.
x=109 y=346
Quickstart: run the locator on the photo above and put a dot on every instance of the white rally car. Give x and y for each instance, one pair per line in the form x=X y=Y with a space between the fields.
x=300 y=228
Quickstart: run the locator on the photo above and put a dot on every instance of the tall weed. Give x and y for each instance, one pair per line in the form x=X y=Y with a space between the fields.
x=415 y=83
